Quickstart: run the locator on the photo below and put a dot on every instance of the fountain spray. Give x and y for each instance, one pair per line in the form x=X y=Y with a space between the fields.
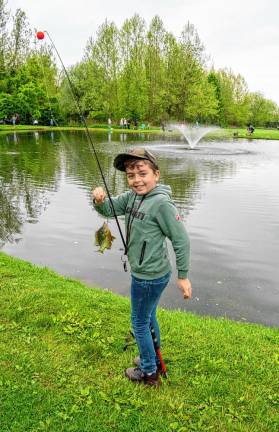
x=193 y=133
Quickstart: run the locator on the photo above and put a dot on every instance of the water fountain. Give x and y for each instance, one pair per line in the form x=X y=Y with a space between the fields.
x=193 y=133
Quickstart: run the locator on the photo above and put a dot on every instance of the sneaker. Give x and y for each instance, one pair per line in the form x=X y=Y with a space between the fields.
x=136 y=375
x=152 y=380
x=137 y=363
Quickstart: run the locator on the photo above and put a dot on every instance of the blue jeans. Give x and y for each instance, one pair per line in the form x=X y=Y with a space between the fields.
x=145 y=296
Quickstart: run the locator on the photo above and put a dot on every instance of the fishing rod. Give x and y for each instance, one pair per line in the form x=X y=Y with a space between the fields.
x=129 y=341
x=158 y=352
x=41 y=35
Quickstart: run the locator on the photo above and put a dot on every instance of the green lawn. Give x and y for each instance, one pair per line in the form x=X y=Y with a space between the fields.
x=267 y=134
x=62 y=363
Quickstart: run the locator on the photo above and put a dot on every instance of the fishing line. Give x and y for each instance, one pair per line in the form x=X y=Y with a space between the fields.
x=62 y=134
x=56 y=123
x=65 y=141
x=41 y=66
x=40 y=36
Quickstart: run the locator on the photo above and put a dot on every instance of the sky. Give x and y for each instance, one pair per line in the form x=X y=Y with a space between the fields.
x=239 y=35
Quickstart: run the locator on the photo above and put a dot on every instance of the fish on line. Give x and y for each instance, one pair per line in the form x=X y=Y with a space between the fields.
x=104 y=238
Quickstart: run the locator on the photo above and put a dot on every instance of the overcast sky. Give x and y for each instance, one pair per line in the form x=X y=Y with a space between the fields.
x=237 y=34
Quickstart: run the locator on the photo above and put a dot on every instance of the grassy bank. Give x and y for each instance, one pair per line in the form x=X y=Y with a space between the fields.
x=93 y=128
x=62 y=362
x=222 y=133
x=267 y=134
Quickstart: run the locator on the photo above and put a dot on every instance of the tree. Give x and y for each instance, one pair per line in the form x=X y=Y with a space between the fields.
x=132 y=82
x=103 y=58
x=81 y=88
x=262 y=111
x=34 y=87
x=202 y=104
x=19 y=40
x=149 y=74
x=4 y=42
x=233 y=97
x=190 y=96
x=219 y=117
x=155 y=70
x=7 y=105
x=191 y=43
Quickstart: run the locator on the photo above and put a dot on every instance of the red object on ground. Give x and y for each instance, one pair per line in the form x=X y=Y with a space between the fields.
x=40 y=35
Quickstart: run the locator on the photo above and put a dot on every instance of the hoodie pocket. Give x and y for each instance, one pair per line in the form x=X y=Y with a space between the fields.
x=142 y=252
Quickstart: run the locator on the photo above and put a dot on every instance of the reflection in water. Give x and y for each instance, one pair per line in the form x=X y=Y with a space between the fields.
x=15 y=137
x=9 y=216
x=45 y=187
x=25 y=176
x=123 y=137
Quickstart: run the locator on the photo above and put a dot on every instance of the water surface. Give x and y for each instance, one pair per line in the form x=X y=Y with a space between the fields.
x=227 y=193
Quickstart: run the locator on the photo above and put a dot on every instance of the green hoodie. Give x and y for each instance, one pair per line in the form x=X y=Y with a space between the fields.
x=155 y=219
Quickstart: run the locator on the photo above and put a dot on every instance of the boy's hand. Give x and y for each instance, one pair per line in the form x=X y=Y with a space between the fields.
x=99 y=195
x=186 y=288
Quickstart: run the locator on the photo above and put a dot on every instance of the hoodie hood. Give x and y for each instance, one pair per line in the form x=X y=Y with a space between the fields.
x=160 y=189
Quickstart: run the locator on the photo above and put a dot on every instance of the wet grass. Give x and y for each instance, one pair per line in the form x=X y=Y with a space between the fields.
x=62 y=363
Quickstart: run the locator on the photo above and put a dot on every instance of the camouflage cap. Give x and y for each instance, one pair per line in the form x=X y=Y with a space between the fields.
x=136 y=153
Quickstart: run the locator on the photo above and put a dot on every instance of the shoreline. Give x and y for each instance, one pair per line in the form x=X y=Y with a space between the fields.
x=222 y=133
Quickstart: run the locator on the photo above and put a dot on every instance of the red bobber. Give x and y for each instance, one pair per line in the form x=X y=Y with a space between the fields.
x=40 y=35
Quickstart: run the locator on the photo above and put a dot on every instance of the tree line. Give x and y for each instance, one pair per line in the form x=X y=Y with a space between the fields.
x=138 y=72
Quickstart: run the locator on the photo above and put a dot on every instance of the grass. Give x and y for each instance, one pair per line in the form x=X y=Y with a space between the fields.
x=266 y=134
x=222 y=133
x=62 y=362
x=92 y=128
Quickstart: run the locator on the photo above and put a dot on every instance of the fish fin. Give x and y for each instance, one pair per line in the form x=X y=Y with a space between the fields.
x=103 y=247
x=96 y=240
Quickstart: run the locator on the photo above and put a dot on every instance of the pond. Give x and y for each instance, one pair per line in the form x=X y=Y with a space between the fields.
x=227 y=193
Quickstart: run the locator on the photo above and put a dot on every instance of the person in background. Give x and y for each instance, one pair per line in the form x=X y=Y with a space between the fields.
x=250 y=129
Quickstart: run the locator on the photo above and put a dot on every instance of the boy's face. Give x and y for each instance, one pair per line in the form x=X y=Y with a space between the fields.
x=141 y=178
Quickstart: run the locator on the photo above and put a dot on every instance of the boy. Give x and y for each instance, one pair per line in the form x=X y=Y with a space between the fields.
x=150 y=217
